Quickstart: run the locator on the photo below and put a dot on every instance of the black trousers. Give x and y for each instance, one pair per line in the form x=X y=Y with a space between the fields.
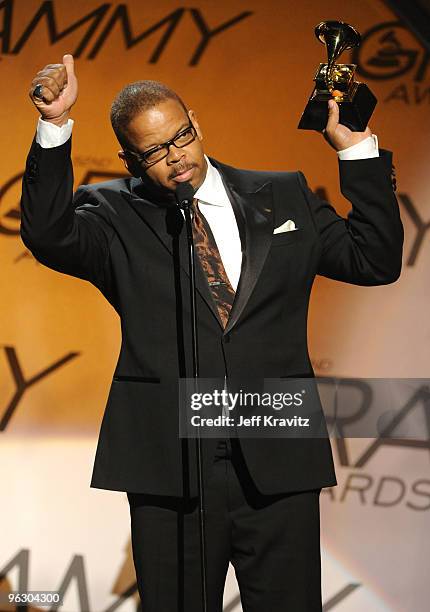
x=272 y=541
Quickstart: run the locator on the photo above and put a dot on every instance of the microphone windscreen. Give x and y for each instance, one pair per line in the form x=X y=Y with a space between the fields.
x=184 y=193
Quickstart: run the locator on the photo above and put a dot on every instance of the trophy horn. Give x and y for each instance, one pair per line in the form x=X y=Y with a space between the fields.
x=337 y=36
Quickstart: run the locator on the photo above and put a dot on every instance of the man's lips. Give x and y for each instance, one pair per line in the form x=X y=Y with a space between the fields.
x=185 y=175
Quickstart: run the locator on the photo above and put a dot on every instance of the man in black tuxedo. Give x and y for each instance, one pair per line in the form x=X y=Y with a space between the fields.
x=273 y=235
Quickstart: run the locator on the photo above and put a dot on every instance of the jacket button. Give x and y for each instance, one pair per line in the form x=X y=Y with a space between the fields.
x=226 y=339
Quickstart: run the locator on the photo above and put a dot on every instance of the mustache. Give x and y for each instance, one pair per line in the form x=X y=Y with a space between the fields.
x=181 y=169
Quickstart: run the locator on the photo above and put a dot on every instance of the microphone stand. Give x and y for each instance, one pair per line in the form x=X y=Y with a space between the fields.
x=184 y=197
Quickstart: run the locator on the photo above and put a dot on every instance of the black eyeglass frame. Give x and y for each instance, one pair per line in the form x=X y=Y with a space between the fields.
x=141 y=157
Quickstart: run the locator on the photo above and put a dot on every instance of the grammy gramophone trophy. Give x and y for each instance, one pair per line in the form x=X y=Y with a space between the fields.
x=356 y=101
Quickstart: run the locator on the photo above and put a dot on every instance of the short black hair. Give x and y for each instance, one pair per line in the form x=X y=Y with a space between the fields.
x=134 y=99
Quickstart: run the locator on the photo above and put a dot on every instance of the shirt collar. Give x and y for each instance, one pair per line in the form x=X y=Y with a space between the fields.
x=212 y=190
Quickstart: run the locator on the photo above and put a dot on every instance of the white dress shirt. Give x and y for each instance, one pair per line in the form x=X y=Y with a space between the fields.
x=213 y=200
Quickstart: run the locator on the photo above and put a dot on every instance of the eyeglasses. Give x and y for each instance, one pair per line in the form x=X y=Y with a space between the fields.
x=182 y=139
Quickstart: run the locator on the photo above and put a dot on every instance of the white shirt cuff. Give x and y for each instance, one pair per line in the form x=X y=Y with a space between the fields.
x=362 y=150
x=49 y=135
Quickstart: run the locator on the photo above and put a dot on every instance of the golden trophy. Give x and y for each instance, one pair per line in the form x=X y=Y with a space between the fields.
x=336 y=81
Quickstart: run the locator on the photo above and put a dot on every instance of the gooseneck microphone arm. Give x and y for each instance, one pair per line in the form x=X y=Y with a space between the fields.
x=184 y=197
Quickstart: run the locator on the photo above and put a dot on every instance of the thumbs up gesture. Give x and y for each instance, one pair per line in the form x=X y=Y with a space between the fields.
x=54 y=91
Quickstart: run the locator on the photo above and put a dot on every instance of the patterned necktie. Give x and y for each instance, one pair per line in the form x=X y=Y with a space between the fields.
x=210 y=259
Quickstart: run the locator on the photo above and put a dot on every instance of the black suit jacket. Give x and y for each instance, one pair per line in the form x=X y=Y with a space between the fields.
x=135 y=252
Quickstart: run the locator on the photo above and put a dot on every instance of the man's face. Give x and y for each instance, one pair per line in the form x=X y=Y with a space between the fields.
x=156 y=126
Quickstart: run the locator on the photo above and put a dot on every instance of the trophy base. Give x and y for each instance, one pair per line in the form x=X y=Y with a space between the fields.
x=354 y=113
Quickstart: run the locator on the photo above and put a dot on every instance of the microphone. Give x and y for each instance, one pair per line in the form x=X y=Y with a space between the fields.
x=184 y=195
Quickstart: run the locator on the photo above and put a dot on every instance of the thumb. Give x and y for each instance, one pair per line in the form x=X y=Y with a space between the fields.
x=69 y=63
x=333 y=116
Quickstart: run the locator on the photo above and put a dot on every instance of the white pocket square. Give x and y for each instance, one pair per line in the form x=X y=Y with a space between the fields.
x=288 y=226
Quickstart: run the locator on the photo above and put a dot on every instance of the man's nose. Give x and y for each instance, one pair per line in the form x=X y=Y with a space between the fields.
x=174 y=155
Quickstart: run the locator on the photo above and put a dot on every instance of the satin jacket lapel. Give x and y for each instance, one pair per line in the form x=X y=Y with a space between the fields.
x=254 y=213
x=168 y=225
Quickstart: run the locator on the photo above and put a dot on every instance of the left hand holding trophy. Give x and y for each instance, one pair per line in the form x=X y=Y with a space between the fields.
x=338 y=135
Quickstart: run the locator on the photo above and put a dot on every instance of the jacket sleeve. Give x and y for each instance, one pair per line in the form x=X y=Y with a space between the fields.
x=365 y=248
x=70 y=234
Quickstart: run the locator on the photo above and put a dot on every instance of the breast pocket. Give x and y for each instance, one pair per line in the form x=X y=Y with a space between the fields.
x=285 y=238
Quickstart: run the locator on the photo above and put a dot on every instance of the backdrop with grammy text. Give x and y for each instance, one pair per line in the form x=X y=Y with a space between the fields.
x=246 y=67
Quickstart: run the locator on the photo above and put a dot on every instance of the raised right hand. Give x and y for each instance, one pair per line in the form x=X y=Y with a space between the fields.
x=59 y=93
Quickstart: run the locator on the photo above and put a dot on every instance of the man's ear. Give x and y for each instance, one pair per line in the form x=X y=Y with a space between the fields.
x=193 y=118
x=128 y=164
